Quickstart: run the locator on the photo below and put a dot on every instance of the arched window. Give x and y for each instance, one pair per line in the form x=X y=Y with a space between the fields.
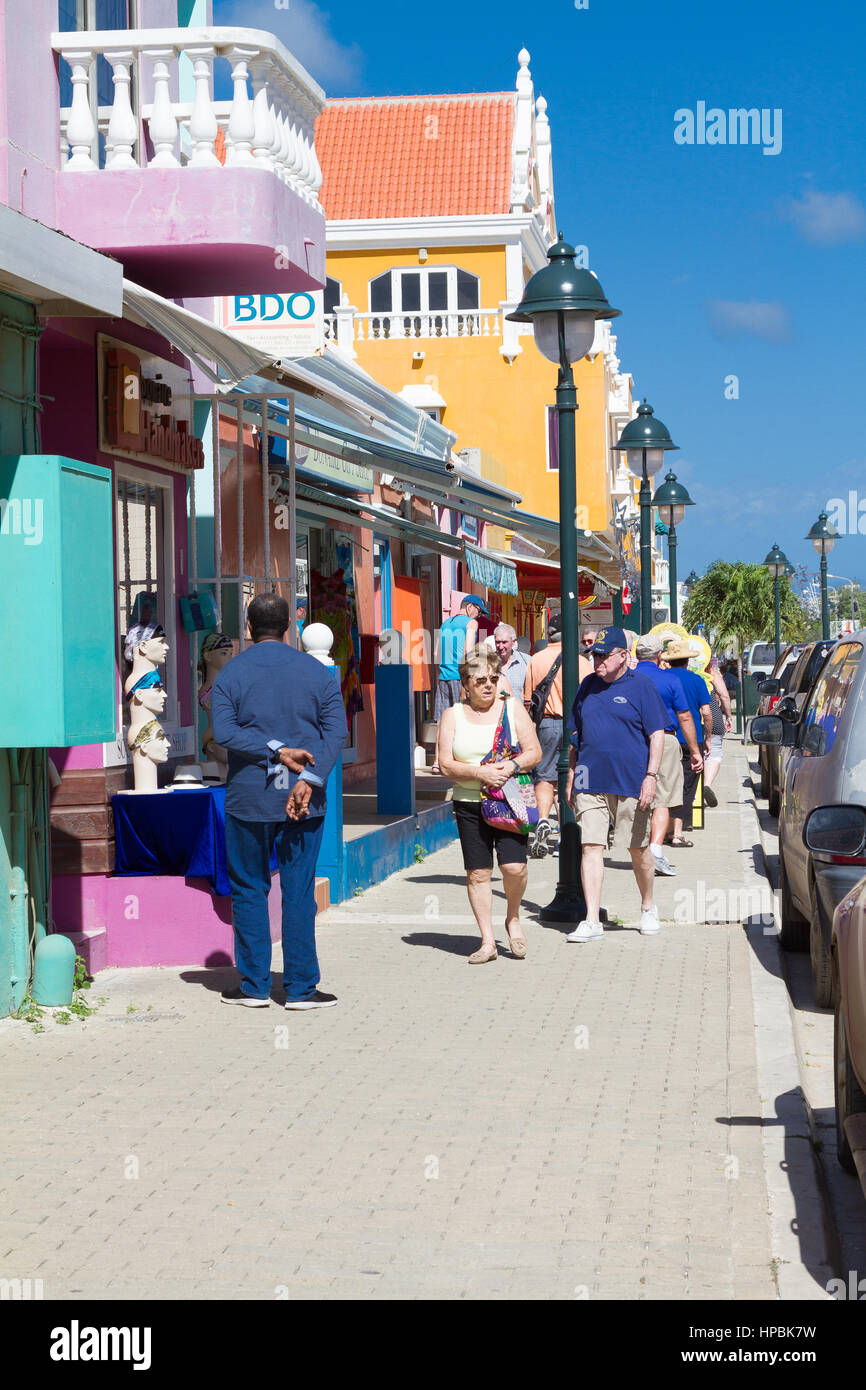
x=424 y=290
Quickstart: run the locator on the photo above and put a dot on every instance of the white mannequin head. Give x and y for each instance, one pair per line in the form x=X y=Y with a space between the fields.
x=147 y=640
x=148 y=746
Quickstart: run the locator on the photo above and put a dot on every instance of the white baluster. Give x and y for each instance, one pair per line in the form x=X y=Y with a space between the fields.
x=294 y=161
x=162 y=126
x=283 y=161
x=242 y=124
x=122 y=127
x=202 y=122
x=316 y=179
x=264 y=135
x=80 y=127
x=305 y=167
x=308 y=171
x=276 y=139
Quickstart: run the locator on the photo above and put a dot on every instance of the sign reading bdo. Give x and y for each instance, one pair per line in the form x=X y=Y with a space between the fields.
x=283 y=325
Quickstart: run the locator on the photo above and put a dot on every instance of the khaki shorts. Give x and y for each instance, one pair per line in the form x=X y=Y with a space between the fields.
x=669 y=783
x=594 y=813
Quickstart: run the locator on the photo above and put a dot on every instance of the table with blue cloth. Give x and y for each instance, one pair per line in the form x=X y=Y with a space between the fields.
x=176 y=832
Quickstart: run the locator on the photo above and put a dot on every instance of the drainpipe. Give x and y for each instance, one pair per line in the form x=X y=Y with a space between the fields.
x=18 y=879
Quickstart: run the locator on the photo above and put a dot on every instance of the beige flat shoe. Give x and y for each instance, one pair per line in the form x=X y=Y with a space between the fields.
x=518 y=945
x=483 y=955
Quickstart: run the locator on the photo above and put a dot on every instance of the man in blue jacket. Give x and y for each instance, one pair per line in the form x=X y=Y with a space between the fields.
x=280 y=715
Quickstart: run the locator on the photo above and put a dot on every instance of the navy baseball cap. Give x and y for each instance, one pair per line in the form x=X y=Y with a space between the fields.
x=606 y=639
x=479 y=603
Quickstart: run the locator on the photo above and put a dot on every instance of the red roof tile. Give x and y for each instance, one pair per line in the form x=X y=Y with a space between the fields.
x=428 y=156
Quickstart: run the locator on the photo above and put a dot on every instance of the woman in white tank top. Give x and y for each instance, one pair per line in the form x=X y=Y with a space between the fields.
x=466 y=733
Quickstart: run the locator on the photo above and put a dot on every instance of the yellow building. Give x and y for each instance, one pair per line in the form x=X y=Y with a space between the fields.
x=439 y=210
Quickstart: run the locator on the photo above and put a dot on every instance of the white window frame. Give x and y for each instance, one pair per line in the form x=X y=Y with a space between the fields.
x=425 y=271
x=171 y=718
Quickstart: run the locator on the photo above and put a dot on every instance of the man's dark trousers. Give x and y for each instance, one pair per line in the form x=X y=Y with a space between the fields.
x=248 y=848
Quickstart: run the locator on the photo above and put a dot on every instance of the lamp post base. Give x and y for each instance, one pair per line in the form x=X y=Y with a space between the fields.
x=568 y=904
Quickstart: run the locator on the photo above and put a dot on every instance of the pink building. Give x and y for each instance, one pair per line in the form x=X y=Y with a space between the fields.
x=187 y=153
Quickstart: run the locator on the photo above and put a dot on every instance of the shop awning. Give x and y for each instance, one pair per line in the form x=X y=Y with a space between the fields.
x=491 y=569
x=530 y=562
x=351 y=511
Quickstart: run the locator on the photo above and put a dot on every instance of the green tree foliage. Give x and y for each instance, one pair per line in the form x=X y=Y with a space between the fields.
x=735 y=602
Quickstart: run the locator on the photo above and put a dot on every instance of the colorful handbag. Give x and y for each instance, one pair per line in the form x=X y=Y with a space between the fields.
x=512 y=806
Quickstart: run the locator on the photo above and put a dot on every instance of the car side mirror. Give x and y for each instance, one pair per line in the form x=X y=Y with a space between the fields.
x=770 y=686
x=787 y=708
x=836 y=830
x=770 y=729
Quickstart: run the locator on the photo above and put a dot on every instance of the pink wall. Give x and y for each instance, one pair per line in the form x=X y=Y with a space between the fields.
x=29 y=129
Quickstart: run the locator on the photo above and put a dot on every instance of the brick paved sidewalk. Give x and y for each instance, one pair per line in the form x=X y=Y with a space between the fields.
x=579 y=1124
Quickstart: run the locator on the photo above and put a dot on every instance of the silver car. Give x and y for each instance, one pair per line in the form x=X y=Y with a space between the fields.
x=826 y=765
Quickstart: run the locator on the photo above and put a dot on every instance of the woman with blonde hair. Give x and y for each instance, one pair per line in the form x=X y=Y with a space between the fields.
x=466 y=736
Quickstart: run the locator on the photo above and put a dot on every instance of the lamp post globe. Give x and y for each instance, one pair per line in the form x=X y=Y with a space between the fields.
x=563 y=301
x=778 y=566
x=644 y=441
x=823 y=536
x=690 y=581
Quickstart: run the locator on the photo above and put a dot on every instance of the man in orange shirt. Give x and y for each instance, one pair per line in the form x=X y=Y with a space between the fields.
x=549 y=725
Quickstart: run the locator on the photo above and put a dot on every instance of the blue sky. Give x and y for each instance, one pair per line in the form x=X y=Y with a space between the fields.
x=724 y=261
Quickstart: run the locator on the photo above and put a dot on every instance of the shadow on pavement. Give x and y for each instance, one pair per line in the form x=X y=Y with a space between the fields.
x=815 y=1237
x=441 y=941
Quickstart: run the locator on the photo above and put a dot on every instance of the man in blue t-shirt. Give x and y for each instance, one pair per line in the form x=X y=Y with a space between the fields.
x=669 y=791
x=618 y=720
x=679 y=654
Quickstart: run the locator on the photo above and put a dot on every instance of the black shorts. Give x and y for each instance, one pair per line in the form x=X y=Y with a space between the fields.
x=477 y=839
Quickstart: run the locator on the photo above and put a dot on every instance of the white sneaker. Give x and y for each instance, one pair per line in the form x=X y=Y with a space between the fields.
x=649 y=921
x=663 y=865
x=587 y=931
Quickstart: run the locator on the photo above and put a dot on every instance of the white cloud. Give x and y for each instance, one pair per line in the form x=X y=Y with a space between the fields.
x=754 y=318
x=826 y=219
x=306 y=32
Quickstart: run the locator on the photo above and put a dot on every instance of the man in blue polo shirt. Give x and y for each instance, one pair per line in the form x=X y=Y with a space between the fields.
x=619 y=720
x=680 y=728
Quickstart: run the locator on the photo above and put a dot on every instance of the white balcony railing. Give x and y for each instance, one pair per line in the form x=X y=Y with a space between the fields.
x=270 y=129
x=457 y=323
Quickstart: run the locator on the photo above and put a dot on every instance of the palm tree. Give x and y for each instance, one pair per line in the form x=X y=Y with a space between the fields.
x=735 y=601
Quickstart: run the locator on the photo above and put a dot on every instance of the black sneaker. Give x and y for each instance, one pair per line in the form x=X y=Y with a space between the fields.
x=318 y=1001
x=237 y=996
x=710 y=798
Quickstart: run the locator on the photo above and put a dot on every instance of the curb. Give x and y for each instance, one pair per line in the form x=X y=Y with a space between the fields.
x=804 y=1240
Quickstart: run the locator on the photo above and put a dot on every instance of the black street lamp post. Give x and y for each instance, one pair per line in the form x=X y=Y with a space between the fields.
x=644 y=441
x=778 y=566
x=671 y=499
x=562 y=302
x=823 y=536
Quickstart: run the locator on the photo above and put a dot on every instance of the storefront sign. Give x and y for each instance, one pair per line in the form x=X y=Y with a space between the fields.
x=142 y=417
x=352 y=475
x=282 y=325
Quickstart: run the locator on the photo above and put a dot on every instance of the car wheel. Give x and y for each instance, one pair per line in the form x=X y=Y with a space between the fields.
x=850 y=1099
x=794 y=931
x=774 y=796
x=822 y=976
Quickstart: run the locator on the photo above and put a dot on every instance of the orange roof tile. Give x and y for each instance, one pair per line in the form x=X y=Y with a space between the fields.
x=425 y=156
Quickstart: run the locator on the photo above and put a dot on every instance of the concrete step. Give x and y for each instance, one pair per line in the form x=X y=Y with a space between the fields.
x=92 y=946
x=323 y=894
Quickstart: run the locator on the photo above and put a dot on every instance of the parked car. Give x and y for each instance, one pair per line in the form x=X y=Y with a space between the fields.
x=838 y=834
x=771 y=689
x=759 y=660
x=826 y=764
x=795 y=683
